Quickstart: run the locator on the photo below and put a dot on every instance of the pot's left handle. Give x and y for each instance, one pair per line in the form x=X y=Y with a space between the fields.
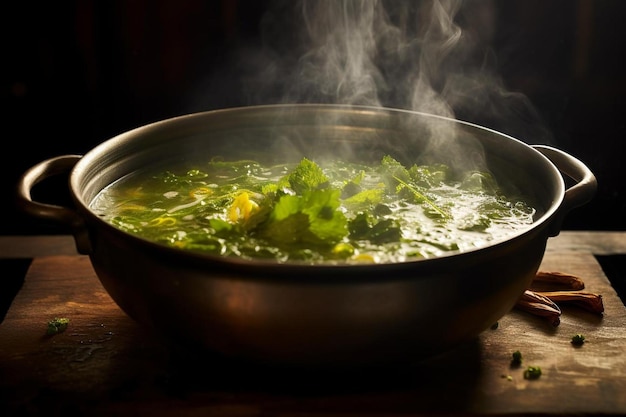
x=58 y=214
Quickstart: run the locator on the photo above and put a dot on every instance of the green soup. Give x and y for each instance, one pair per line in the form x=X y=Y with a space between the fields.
x=330 y=212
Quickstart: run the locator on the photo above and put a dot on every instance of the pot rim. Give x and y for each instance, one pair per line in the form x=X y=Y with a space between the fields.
x=88 y=160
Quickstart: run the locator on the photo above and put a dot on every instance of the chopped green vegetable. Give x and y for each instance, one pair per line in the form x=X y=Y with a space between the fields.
x=365 y=227
x=532 y=372
x=58 y=325
x=479 y=181
x=516 y=358
x=365 y=198
x=578 y=339
x=307 y=176
x=308 y=218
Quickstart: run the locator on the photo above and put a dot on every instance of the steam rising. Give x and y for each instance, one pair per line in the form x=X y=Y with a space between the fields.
x=431 y=56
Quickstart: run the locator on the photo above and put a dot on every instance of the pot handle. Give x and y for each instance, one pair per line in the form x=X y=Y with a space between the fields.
x=58 y=214
x=578 y=194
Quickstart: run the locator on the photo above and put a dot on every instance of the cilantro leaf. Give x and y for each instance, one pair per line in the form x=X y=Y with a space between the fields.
x=312 y=217
x=393 y=172
x=378 y=231
x=362 y=199
x=307 y=176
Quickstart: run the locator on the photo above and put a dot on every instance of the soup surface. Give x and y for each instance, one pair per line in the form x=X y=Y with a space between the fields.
x=335 y=212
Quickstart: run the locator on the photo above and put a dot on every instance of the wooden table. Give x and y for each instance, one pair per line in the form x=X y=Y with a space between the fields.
x=105 y=364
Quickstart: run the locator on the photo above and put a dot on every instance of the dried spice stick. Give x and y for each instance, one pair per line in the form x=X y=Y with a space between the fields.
x=588 y=301
x=568 y=281
x=540 y=305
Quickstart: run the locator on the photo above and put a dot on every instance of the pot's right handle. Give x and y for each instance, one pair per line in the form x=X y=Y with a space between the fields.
x=578 y=194
x=61 y=215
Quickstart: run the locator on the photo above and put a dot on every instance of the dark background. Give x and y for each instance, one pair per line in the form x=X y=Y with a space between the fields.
x=77 y=73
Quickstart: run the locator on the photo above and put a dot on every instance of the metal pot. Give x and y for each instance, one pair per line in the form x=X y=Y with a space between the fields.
x=302 y=314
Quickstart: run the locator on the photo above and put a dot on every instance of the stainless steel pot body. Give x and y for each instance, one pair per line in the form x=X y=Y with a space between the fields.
x=313 y=315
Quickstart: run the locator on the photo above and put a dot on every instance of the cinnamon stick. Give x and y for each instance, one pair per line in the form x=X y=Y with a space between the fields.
x=568 y=281
x=540 y=305
x=543 y=303
x=586 y=300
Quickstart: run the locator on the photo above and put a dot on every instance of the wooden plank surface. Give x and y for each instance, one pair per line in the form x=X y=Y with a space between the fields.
x=105 y=364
